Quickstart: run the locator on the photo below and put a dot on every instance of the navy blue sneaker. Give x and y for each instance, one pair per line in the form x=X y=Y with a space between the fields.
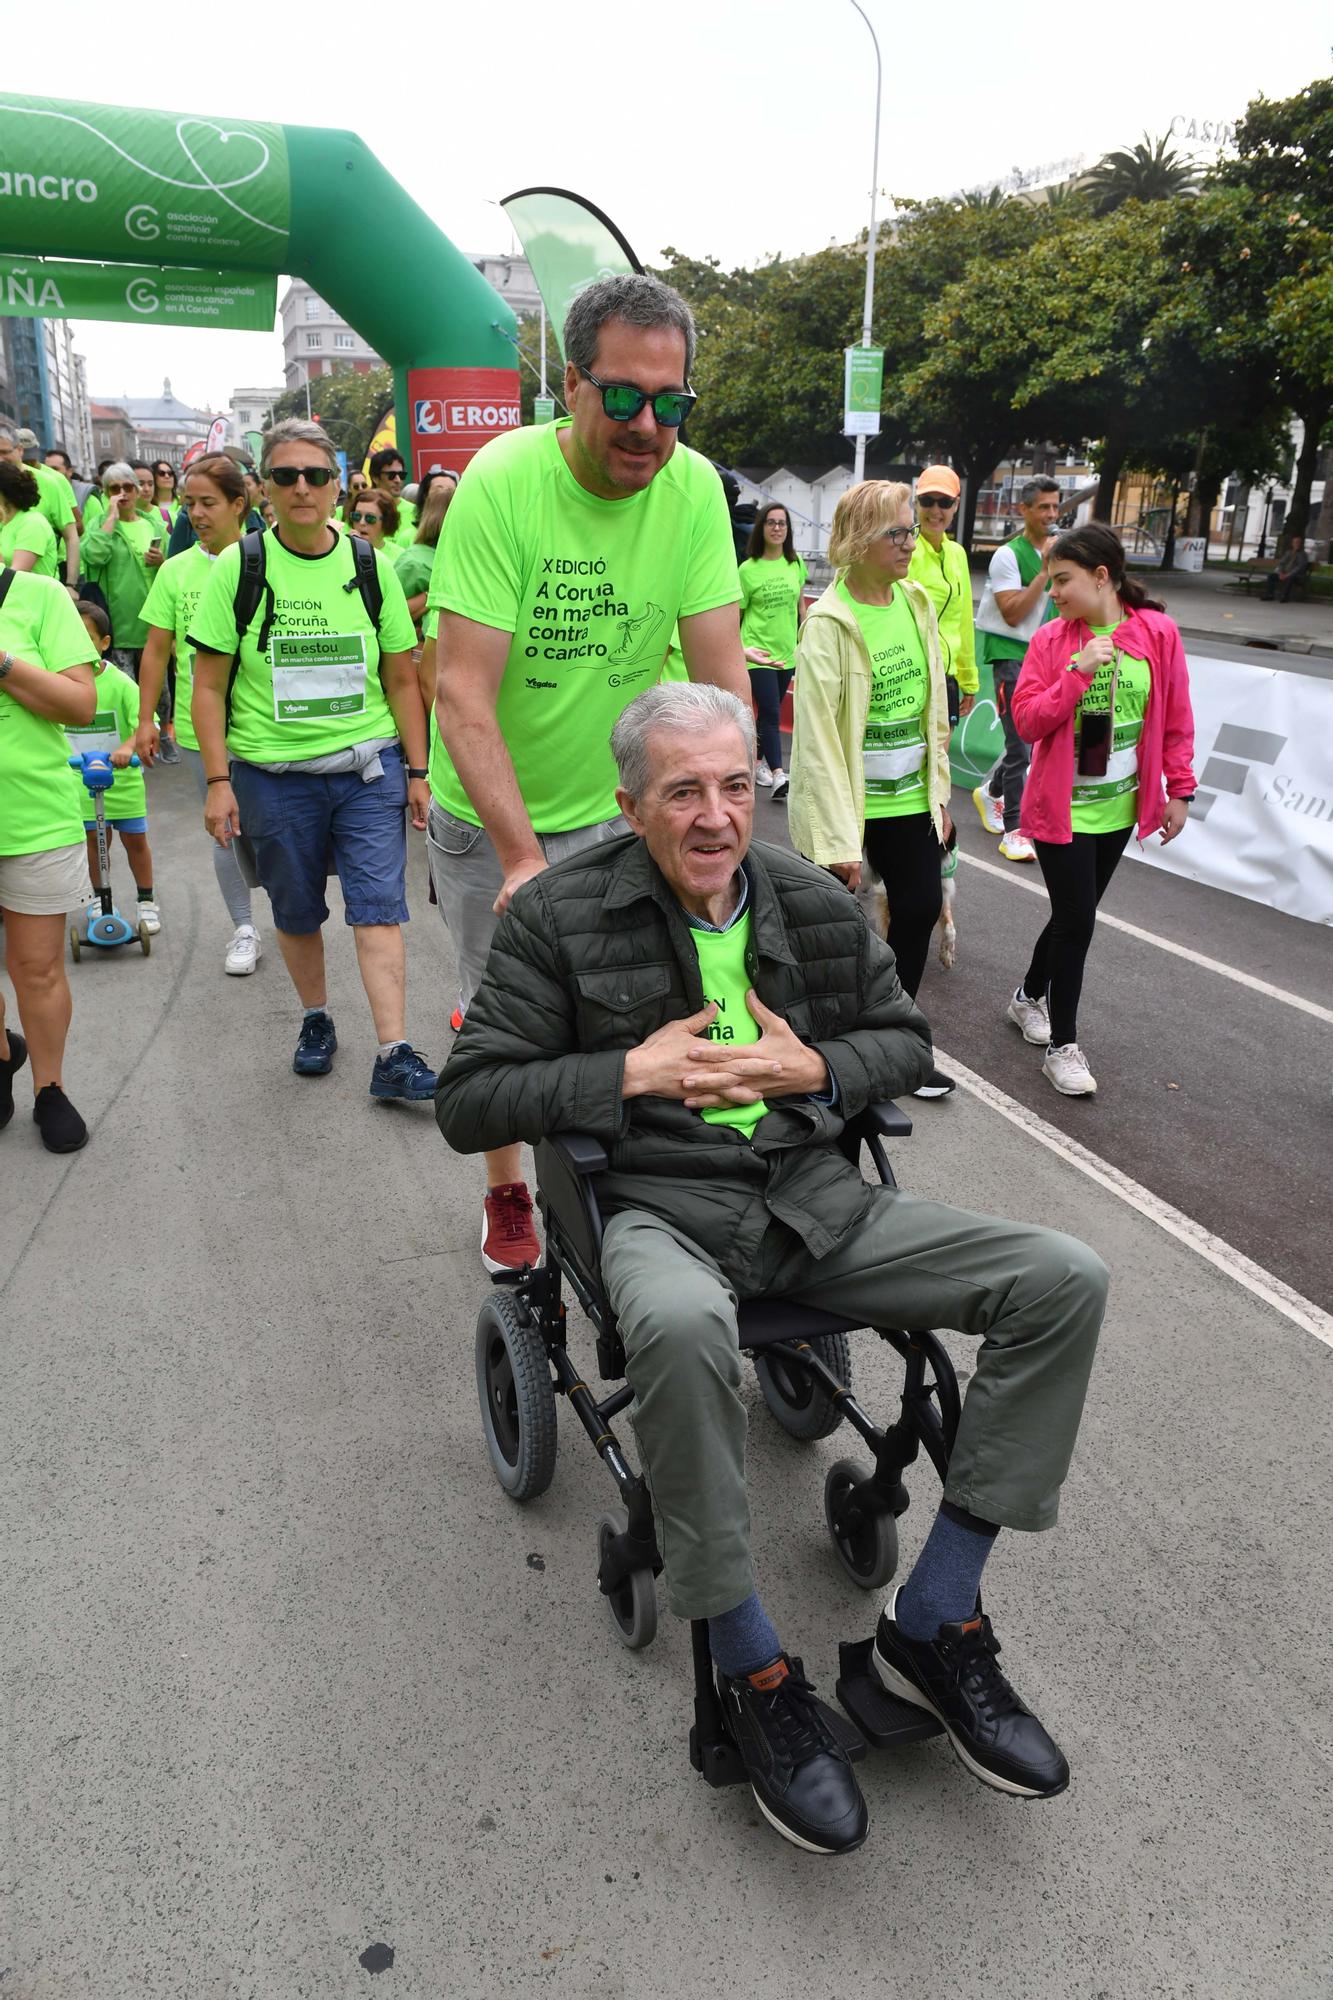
x=404 y=1072
x=314 y=1051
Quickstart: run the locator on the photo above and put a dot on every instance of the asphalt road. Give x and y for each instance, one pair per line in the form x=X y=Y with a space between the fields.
x=286 y=1677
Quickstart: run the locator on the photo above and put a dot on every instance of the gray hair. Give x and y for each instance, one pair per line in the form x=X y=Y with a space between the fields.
x=120 y=469
x=695 y=706
x=636 y=299
x=1032 y=489
x=296 y=430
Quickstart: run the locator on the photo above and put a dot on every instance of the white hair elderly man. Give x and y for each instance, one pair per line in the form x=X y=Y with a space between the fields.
x=712 y=1009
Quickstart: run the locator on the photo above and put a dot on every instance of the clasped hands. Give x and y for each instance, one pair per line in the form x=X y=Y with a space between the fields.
x=678 y=1061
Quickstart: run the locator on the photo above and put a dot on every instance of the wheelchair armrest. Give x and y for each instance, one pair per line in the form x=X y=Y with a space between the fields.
x=889 y=1120
x=580 y=1152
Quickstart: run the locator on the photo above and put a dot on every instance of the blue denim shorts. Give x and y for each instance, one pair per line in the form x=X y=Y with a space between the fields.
x=301 y=827
x=138 y=825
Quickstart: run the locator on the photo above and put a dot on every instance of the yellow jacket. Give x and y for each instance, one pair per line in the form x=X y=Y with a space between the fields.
x=826 y=805
x=947 y=581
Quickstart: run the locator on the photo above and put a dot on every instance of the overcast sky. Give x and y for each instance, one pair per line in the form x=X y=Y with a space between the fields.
x=736 y=128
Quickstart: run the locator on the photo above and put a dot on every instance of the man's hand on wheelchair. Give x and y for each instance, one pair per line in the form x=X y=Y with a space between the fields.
x=779 y=1064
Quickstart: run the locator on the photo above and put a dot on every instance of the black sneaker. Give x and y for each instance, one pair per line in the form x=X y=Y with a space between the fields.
x=801 y=1778
x=955 y=1676
x=10 y=1066
x=937 y=1084
x=62 y=1129
x=314 y=1051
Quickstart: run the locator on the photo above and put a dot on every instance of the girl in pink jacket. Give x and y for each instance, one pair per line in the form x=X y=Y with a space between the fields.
x=1104 y=700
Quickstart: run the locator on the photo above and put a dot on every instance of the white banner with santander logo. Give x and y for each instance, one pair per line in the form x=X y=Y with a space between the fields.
x=1261 y=825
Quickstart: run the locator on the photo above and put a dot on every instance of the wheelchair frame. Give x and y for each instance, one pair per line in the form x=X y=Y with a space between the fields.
x=523 y=1362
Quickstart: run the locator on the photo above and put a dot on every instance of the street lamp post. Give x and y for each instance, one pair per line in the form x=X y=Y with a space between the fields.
x=868 y=312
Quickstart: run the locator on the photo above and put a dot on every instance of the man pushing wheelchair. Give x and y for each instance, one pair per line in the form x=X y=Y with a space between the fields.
x=713 y=1011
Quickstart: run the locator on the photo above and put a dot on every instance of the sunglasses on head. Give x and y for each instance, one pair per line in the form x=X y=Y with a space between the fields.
x=370 y=519
x=935 y=499
x=622 y=402
x=313 y=475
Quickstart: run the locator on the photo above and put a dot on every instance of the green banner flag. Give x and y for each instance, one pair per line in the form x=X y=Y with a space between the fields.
x=568 y=243
x=863 y=388
x=139 y=294
x=100 y=180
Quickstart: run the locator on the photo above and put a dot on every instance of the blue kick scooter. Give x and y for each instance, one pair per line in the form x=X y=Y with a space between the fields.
x=108 y=929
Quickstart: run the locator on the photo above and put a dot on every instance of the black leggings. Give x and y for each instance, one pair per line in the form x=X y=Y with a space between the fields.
x=906 y=855
x=1076 y=877
x=768 y=685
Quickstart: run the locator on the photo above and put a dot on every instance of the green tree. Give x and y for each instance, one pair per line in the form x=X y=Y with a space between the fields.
x=1260 y=240
x=1150 y=171
x=349 y=407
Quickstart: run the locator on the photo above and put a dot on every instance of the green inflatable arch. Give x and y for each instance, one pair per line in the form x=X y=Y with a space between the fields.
x=190 y=219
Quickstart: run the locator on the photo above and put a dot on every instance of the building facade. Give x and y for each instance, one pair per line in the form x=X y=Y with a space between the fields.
x=318 y=341
x=250 y=410
x=113 y=434
x=43 y=385
x=161 y=426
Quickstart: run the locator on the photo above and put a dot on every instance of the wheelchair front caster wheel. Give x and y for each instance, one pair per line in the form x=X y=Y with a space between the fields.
x=865 y=1539
x=516 y=1396
x=805 y=1408
x=632 y=1605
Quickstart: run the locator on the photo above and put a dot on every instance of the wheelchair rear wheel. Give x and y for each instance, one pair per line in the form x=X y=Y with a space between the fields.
x=804 y=1407
x=632 y=1605
x=517 y=1397
x=865 y=1539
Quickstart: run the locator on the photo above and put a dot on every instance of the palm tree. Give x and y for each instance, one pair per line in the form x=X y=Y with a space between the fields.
x=975 y=198
x=1150 y=171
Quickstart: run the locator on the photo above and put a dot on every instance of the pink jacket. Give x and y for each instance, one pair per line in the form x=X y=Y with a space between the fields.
x=1048 y=692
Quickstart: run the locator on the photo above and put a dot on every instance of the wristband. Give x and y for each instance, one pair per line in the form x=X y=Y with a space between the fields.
x=225 y=779
x=6 y=662
x=413 y=773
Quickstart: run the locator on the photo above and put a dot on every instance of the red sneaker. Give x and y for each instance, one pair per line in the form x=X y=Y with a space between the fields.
x=508 y=1239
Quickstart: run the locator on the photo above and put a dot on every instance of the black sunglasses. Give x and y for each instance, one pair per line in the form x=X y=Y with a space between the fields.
x=162 y=472
x=313 y=475
x=622 y=402
x=370 y=519
x=390 y=474
x=936 y=499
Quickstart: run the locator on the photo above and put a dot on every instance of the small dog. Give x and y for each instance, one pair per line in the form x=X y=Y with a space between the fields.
x=874 y=901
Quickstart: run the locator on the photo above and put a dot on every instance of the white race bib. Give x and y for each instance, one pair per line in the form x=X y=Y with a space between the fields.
x=318 y=674
x=102 y=733
x=900 y=763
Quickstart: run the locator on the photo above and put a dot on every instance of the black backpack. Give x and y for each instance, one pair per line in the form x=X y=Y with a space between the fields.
x=253 y=589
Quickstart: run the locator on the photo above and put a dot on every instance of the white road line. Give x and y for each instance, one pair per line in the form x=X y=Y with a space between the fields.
x=1037 y=887
x=1300 y=1311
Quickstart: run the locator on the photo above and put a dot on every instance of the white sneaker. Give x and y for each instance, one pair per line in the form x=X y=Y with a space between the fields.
x=991 y=810
x=762 y=775
x=1031 y=1017
x=1017 y=847
x=1065 y=1067
x=243 y=953
x=150 y=917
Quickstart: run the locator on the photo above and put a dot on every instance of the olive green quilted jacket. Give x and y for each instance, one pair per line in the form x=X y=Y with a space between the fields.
x=594 y=955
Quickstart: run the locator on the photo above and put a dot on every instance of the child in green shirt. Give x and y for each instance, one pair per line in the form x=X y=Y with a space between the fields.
x=112 y=729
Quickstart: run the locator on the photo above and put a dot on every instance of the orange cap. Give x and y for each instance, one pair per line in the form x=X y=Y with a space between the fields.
x=939 y=479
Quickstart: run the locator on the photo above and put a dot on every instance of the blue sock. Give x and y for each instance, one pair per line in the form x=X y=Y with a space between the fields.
x=743 y=1640
x=943 y=1586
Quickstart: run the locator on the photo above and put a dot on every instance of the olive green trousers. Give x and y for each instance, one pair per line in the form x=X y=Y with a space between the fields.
x=1033 y=1297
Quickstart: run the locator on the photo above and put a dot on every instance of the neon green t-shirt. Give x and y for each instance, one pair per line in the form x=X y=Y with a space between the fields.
x=412 y=565
x=39 y=795
x=30 y=530
x=674 y=667
x=316 y=687
x=770 y=598
x=407 y=529
x=895 y=742
x=56 y=497
x=1111 y=803
x=589 y=590
x=93 y=509
x=725 y=977
x=116 y=719
x=171 y=605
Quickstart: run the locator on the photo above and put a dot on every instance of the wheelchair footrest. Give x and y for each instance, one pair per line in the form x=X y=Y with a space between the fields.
x=880 y=1716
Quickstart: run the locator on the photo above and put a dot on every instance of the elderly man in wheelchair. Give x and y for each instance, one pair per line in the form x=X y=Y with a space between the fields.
x=718 y=1020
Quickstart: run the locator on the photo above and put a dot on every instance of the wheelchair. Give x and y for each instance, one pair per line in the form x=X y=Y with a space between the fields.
x=802 y=1358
